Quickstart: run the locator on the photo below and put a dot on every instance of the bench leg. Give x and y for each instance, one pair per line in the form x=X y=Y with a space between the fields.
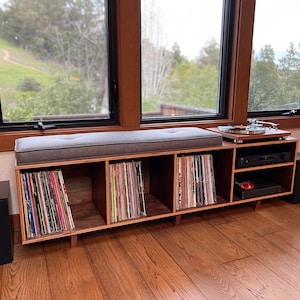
x=256 y=205
x=73 y=240
x=177 y=219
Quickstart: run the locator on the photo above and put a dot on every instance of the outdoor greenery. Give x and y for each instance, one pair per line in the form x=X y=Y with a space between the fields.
x=195 y=82
x=169 y=77
x=54 y=62
x=66 y=46
x=275 y=83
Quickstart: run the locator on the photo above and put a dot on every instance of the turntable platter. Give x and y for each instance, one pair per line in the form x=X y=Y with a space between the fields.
x=249 y=133
x=242 y=129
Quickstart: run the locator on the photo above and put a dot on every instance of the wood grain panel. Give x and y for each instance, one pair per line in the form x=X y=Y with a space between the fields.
x=232 y=252
x=262 y=285
x=75 y=279
x=114 y=269
x=26 y=277
x=158 y=270
x=201 y=265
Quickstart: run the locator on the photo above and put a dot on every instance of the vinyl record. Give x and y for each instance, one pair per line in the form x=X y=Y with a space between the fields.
x=242 y=129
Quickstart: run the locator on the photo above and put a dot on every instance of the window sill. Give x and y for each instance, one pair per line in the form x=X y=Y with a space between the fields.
x=7 y=138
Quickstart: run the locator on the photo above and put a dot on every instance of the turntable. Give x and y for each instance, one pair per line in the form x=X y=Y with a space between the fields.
x=242 y=129
x=254 y=130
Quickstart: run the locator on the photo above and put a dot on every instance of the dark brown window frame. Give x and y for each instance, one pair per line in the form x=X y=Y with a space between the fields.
x=128 y=70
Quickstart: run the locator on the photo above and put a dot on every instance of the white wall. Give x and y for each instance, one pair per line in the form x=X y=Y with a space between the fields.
x=7 y=172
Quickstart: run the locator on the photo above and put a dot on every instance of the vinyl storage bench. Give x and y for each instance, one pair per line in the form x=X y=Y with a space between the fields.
x=67 y=183
x=78 y=183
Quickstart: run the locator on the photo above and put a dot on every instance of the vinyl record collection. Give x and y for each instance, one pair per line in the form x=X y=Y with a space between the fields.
x=196 y=181
x=46 y=205
x=127 y=197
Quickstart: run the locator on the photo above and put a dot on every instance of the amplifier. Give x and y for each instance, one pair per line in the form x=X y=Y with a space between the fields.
x=261 y=189
x=244 y=161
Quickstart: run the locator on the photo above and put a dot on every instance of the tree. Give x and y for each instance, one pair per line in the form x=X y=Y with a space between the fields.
x=157 y=61
x=209 y=55
x=289 y=70
x=177 y=56
x=24 y=22
x=66 y=97
x=263 y=90
x=70 y=34
x=193 y=86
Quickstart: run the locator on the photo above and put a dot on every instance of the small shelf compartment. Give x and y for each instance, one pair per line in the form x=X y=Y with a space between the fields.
x=203 y=179
x=223 y=162
x=195 y=181
x=262 y=183
x=136 y=188
x=45 y=203
x=127 y=194
x=87 y=191
x=264 y=155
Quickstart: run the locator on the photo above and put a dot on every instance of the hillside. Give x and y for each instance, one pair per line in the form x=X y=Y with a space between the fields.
x=17 y=64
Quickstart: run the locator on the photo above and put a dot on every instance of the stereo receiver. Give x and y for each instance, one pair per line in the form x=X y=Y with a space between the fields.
x=258 y=159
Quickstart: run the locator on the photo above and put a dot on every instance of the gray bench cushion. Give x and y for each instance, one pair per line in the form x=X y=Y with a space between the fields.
x=102 y=144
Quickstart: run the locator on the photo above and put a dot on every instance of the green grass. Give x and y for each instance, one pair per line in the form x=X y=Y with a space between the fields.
x=23 y=65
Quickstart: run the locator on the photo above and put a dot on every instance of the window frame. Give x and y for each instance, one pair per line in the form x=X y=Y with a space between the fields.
x=281 y=114
x=82 y=120
x=227 y=24
x=128 y=62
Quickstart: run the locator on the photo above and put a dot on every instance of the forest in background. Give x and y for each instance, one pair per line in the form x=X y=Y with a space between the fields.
x=69 y=38
x=68 y=41
x=170 y=77
x=274 y=82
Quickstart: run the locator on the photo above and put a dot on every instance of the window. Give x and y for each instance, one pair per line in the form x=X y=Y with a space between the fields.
x=275 y=69
x=55 y=63
x=184 y=50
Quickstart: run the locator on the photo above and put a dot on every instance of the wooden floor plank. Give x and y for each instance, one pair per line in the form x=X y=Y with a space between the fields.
x=282 y=213
x=201 y=266
x=115 y=272
x=270 y=255
x=286 y=240
x=254 y=219
x=218 y=216
x=219 y=254
x=264 y=284
x=211 y=240
x=69 y=272
x=26 y=277
x=159 y=271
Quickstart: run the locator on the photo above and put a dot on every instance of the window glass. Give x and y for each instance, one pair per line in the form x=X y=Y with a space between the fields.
x=180 y=46
x=275 y=68
x=54 y=60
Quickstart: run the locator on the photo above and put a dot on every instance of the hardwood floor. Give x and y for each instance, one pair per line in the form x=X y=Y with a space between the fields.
x=236 y=252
